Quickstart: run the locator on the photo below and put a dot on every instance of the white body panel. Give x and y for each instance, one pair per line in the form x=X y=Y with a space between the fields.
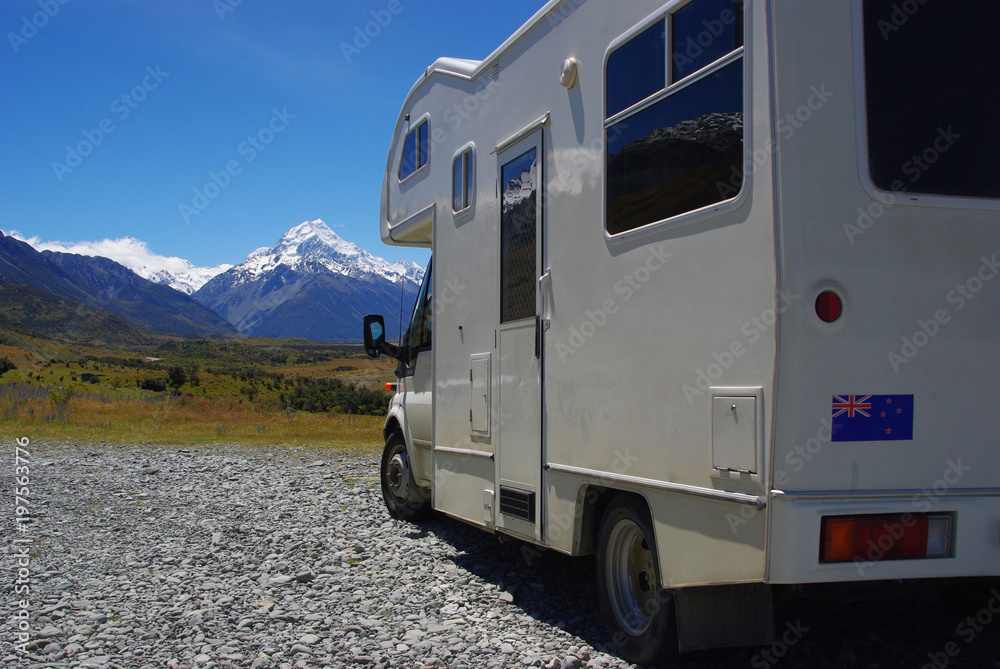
x=667 y=352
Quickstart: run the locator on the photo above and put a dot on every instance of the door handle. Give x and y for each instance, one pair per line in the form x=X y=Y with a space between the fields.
x=545 y=293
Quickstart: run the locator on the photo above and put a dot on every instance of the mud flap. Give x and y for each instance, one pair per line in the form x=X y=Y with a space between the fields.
x=724 y=616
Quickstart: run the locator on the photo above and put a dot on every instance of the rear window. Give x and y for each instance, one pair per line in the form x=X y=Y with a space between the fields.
x=931 y=83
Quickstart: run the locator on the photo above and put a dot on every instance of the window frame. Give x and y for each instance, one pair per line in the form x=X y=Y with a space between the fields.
x=897 y=198
x=414 y=129
x=745 y=53
x=468 y=191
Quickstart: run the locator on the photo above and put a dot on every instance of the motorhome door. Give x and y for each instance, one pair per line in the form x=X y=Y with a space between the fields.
x=519 y=447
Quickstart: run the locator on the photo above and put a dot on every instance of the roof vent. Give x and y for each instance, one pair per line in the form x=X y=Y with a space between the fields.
x=496 y=70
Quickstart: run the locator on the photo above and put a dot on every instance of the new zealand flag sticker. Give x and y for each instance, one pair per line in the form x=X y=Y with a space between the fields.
x=872 y=417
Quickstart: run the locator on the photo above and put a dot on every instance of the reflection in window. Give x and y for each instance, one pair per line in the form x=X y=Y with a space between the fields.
x=931 y=124
x=463 y=180
x=517 y=237
x=421 y=322
x=684 y=150
x=416 y=147
x=702 y=32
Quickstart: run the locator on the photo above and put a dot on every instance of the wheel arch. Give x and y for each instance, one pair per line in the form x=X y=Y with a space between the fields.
x=594 y=499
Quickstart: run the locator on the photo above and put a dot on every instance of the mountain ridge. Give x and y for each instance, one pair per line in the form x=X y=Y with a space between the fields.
x=312 y=284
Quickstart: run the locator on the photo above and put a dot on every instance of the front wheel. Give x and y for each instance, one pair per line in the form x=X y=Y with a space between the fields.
x=638 y=612
x=402 y=498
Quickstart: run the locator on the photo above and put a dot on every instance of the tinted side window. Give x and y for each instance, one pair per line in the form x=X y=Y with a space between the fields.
x=416 y=148
x=421 y=322
x=637 y=69
x=677 y=155
x=683 y=150
x=463 y=180
x=702 y=33
x=931 y=86
x=518 y=233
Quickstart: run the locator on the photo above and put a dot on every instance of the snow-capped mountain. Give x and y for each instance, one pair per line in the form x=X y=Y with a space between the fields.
x=311 y=284
x=315 y=242
x=520 y=188
x=186 y=279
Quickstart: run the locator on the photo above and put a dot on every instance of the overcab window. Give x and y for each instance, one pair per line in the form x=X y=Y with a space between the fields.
x=674 y=116
x=416 y=149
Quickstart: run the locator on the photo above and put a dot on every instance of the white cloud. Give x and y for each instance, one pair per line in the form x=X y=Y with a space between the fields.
x=134 y=254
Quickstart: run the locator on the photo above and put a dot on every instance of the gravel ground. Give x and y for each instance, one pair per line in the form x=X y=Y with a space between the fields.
x=147 y=556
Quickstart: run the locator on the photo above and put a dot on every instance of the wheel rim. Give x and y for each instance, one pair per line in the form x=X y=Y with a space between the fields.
x=631 y=576
x=397 y=475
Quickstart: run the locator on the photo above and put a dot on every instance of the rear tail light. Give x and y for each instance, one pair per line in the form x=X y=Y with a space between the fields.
x=904 y=536
x=390 y=386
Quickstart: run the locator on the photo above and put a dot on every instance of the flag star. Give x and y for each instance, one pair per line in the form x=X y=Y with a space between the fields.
x=883 y=414
x=899 y=410
x=888 y=430
x=888 y=400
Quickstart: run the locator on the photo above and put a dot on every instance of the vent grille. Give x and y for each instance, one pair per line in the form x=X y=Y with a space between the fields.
x=496 y=70
x=517 y=503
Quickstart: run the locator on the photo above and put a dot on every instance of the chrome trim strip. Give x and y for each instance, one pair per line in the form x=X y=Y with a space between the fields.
x=463 y=451
x=720 y=495
x=540 y=122
x=902 y=495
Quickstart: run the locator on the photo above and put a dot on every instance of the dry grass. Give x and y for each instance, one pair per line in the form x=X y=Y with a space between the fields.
x=121 y=418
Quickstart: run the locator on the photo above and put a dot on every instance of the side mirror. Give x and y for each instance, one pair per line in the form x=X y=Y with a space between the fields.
x=374 y=335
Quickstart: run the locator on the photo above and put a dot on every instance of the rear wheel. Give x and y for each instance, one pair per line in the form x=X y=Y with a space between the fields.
x=638 y=612
x=402 y=498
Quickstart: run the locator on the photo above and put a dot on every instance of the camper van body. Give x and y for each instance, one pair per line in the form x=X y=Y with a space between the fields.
x=715 y=361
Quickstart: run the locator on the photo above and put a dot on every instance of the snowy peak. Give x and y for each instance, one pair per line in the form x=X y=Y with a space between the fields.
x=314 y=242
x=311 y=284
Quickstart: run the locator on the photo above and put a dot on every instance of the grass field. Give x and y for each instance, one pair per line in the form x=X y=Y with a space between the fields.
x=234 y=392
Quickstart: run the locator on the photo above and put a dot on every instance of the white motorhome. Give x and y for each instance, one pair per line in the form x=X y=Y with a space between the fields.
x=714 y=297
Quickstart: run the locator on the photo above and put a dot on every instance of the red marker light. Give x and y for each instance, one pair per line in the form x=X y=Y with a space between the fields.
x=829 y=306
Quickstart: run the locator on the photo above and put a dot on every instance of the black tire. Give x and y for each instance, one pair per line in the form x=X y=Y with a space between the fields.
x=638 y=612
x=399 y=492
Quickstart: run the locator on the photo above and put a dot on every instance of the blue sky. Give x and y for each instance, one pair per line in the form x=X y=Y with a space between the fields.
x=160 y=95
